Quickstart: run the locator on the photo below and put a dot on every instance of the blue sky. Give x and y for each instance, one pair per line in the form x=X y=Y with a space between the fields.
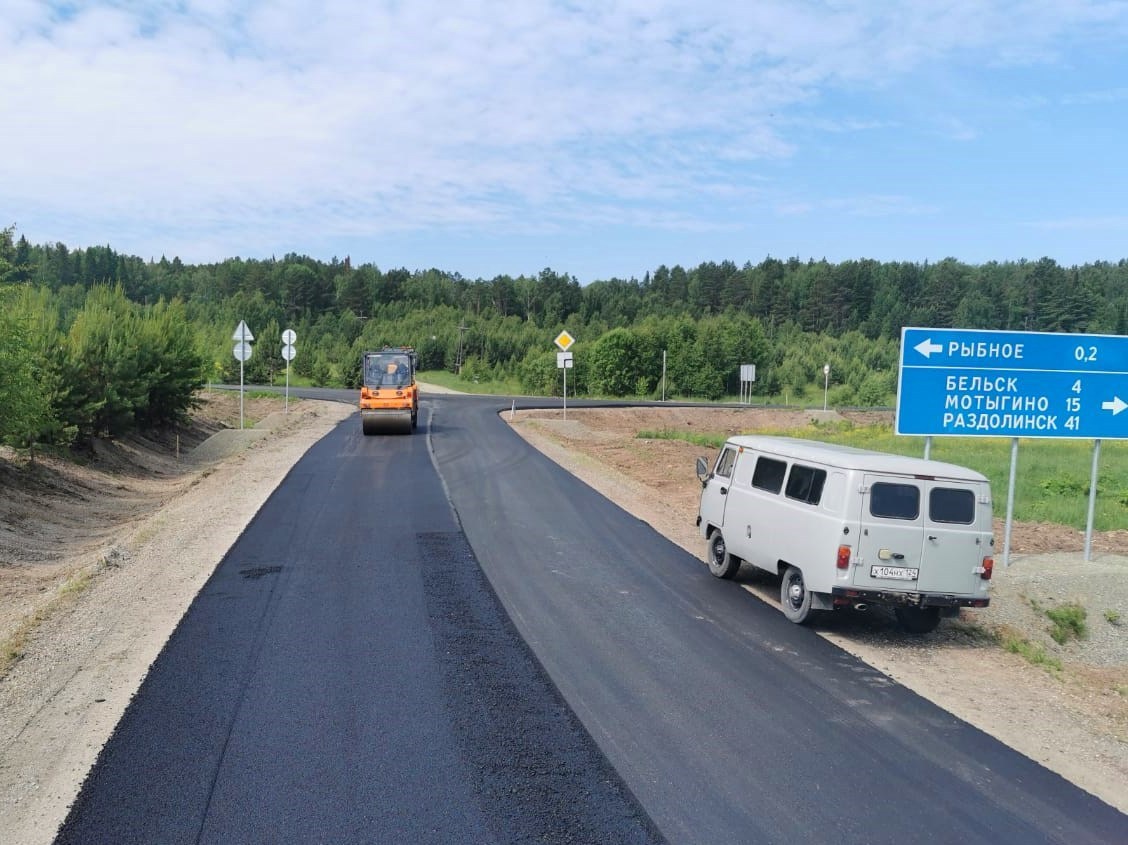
x=599 y=139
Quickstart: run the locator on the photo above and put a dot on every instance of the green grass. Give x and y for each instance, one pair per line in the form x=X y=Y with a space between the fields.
x=1112 y=617
x=1031 y=652
x=267 y=394
x=707 y=441
x=295 y=380
x=1052 y=478
x=1068 y=623
x=452 y=381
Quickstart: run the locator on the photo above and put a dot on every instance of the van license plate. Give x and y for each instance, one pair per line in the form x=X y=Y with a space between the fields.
x=897 y=573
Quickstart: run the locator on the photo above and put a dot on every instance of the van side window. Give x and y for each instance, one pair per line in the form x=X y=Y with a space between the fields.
x=724 y=464
x=948 y=505
x=805 y=484
x=769 y=474
x=895 y=501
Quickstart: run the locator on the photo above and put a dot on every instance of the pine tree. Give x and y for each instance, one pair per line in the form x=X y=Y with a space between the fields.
x=24 y=404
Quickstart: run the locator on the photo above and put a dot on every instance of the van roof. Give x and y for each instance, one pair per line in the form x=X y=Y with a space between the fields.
x=848 y=457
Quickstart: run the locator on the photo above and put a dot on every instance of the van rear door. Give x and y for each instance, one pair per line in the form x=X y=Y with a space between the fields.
x=955 y=537
x=923 y=535
x=892 y=534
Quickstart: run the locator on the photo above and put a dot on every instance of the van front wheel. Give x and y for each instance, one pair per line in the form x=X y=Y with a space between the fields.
x=721 y=563
x=918 y=620
x=794 y=597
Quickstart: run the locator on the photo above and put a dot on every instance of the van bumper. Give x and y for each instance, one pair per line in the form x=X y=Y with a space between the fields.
x=849 y=595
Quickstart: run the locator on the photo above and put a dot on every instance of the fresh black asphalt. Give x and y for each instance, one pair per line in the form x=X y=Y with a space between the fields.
x=729 y=723
x=348 y=675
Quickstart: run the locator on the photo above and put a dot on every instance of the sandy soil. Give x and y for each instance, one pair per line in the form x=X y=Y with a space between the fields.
x=100 y=559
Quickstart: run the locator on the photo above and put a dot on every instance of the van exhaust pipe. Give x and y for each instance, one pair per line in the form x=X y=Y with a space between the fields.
x=861 y=606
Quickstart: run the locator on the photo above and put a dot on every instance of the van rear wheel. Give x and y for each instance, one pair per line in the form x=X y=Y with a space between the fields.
x=918 y=620
x=794 y=597
x=721 y=563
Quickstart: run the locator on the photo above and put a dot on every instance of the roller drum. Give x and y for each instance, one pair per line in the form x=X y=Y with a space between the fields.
x=398 y=422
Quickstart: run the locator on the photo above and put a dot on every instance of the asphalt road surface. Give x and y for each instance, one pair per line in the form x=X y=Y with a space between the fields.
x=349 y=675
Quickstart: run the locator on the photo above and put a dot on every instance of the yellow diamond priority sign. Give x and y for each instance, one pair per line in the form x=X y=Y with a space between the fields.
x=564 y=340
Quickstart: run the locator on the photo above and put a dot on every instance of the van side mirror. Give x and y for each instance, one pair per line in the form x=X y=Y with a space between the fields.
x=702 y=471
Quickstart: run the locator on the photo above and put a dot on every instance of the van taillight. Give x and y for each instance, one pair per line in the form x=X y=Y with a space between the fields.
x=843 y=561
x=987 y=569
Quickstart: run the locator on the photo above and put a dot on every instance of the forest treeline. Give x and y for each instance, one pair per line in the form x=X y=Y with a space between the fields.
x=96 y=342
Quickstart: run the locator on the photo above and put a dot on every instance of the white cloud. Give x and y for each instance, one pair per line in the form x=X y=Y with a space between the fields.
x=241 y=121
x=866 y=205
x=1106 y=96
x=1113 y=223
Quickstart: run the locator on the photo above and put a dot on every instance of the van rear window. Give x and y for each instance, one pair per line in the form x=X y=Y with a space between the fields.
x=895 y=501
x=805 y=484
x=946 y=504
x=768 y=474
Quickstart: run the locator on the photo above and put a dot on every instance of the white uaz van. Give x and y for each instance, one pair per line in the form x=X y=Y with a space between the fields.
x=846 y=526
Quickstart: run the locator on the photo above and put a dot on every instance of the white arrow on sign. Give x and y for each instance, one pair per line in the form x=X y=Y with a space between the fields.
x=926 y=347
x=1116 y=405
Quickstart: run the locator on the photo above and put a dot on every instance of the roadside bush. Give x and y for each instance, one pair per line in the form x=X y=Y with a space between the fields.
x=25 y=407
x=1068 y=623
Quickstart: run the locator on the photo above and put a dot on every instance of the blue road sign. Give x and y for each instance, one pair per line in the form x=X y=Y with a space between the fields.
x=966 y=382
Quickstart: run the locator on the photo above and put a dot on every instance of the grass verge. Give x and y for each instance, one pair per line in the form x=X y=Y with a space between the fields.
x=468 y=384
x=1033 y=653
x=1068 y=623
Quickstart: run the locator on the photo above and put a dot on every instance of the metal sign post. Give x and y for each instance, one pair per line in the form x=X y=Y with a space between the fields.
x=971 y=383
x=1010 y=502
x=288 y=338
x=747 y=379
x=242 y=351
x=1092 y=500
x=564 y=361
